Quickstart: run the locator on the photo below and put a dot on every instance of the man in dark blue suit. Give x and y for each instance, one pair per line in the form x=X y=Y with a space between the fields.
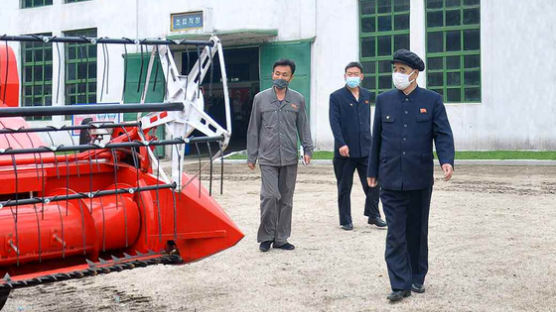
x=406 y=123
x=350 y=117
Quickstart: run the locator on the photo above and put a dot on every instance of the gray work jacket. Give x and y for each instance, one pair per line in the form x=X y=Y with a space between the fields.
x=273 y=129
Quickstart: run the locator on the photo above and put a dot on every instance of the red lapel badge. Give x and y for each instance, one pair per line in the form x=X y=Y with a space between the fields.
x=366 y=101
x=423 y=110
x=294 y=106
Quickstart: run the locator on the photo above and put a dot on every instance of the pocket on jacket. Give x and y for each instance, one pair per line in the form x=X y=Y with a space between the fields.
x=269 y=118
x=292 y=108
x=423 y=117
x=387 y=119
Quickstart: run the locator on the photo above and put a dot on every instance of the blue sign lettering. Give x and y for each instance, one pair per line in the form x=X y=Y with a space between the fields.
x=185 y=21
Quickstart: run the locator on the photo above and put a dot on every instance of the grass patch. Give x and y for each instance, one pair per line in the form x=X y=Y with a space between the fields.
x=323 y=155
x=538 y=155
x=494 y=155
x=237 y=156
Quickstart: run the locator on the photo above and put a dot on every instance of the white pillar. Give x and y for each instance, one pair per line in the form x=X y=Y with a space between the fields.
x=417 y=32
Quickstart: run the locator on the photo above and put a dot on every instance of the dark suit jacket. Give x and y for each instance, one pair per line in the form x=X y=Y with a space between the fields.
x=403 y=132
x=350 y=121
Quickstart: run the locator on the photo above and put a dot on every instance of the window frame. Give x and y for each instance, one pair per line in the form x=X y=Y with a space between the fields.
x=88 y=60
x=45 y=84
x=375 y=35
x=34 y=3
x=445 y=87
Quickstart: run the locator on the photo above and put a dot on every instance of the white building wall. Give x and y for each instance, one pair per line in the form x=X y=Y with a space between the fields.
x=336 y=44
x=518 y=107
x=295 y=19
x=518 y=73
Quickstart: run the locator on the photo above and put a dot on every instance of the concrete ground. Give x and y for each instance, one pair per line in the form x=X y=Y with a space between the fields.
x=492 y=243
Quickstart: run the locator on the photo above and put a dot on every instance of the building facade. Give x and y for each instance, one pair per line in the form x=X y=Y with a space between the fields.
x=490 y=59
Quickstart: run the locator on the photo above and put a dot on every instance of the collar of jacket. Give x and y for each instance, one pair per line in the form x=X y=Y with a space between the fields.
x=287 y=98
x=411 y=96
x=361 y=94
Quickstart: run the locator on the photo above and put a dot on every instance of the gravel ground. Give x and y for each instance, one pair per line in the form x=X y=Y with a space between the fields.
x=492 y=247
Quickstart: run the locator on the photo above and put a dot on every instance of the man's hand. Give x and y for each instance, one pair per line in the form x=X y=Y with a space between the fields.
x=344 y=151
x=251 y=166
x=372 y=182
x=448 y=171
x=307 y=159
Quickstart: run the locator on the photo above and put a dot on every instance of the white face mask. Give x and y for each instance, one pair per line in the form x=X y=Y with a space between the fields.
x=401 y=81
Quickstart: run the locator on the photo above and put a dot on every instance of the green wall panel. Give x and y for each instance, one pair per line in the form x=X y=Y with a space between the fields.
x=131 y=94
x=300 y=53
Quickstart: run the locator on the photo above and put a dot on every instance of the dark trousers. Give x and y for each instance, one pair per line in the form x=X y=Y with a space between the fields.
x=344 y=168
x=407 y=215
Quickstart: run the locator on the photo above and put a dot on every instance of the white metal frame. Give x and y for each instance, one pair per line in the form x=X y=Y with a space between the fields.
x=186 y=89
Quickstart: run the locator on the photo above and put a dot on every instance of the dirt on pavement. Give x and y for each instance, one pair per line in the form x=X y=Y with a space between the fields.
x=492 y=247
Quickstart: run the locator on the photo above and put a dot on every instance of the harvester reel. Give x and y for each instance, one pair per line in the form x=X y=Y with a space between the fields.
x=105 y=204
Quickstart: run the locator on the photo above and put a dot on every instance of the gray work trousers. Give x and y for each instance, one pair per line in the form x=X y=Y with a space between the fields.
x=277 y=187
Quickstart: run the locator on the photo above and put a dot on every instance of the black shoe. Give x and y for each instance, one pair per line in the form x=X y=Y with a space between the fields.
x=377 y=221
x=286 y=246
x=398 y=295
x=265 y=246
x=347 y=227
x=418 y=288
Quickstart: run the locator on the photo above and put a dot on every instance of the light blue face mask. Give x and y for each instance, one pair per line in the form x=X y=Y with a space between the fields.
x=353 y=82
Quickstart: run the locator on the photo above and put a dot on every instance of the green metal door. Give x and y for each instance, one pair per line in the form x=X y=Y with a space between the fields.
x=300 y=52
x=134 y=88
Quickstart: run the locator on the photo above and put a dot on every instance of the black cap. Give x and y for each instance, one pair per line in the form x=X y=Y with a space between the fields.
x=408 y=58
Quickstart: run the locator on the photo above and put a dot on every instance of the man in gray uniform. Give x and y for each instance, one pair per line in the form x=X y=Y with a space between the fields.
x=277 y=117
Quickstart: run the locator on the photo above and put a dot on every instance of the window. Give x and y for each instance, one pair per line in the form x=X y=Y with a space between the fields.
x=34 y=3
x=384 y=28
x=36 y=75
x=72 y=1
x=453 y=49
x=81 y=69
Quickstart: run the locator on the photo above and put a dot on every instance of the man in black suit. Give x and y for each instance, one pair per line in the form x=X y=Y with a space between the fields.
x=350 y=118
x=407 y=120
